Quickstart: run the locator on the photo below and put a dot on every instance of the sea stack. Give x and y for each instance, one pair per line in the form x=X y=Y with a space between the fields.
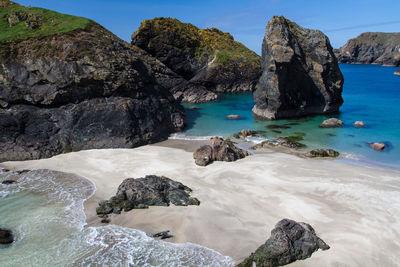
x=208 y=59
x=300 y=76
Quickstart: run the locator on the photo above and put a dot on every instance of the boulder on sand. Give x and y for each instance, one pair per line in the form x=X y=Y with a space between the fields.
x=6 y=236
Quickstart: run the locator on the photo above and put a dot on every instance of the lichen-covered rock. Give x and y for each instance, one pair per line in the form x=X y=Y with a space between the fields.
x=6 y=236
x=79 y=87
x=290 y=241
x=208 y=59
x=371 y=48
x=322 y=153
x=148 y=191
x=218 y=150
x=331 y=123
x=300 y=76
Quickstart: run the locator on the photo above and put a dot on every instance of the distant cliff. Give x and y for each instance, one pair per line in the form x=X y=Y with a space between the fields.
x=300 y=76
x=208 y=59
x=67 y=84
x=371 y=48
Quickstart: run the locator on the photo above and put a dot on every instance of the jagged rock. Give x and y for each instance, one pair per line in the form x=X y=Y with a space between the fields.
x=371 y=48
x=209 y=60
x=397 y=72
x=148 y=191
x=359 y=124
x=290 y=241
x=377 y=146
x=163 y=235
x=300 y=76
x=6 y=236
x=218 y=150
x=322 y=153
x=331 y=123
x=245 y=133
x=80 y=89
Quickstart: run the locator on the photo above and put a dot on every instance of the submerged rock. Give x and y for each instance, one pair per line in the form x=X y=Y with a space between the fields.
x=234 y=117
x=148 y=191
x=359 y=124
x=282 y=141
x=6 y=236
x=208 y=59
x=290 y=241
x=371 y=48
x=322 y=153
x=79 y=89
x=300 y=76
x=331 y=123
x=245 y=133
x=377 y=146
x=218 y=150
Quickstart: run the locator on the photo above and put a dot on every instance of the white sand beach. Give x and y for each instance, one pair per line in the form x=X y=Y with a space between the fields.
x=354 y=209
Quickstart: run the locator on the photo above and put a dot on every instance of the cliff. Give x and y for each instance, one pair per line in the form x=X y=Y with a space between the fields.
x=208 y=59
x=371 y=48
x=300 y=75
x=67 y=84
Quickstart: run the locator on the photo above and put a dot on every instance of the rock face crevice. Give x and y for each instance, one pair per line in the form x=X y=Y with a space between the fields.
x=300 y=76
x=209 y=60
x=79 y=90
x=371 y=48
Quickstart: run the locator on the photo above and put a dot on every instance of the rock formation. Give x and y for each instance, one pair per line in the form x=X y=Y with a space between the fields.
x=148 y=191
x=289 y=241
x=77 y=86
x=218 y=150
x=6 y=236
x=282 y=141
x=209 y=60
x=371 y=48
x=377 y=146
x=359 y=124
x=322 y=153
x=300 y=76
x=397 y=72
x=331 y=123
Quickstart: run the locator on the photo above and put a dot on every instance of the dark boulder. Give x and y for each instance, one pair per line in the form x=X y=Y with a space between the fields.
x=81 y=89
x=148 y=191
x=7 y=182
x=163 y=235
x=208 y=59
x=300 y=76
x=322 y=153
x=218 y=150
x=290 y=241
x=331 y=123
x=6 y=236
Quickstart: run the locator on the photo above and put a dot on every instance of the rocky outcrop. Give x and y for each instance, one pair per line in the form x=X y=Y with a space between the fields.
x=359 y=124
x=291 y=142
x=300 y=76
x=331 y=123
x=148 y=191
x=209 y=60
x=290 y=241
x=6 y=236
x=322 y=153
x=218 y=150
x=79 y=87
x=371 y=48
x=377 y=146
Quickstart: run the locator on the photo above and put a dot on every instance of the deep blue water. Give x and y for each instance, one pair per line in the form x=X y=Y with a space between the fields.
x=371 y=94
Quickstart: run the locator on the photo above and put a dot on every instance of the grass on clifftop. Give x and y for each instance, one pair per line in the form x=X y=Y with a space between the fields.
x=19 y=22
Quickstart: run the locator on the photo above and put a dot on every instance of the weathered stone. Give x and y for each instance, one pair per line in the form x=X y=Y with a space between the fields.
x=289 y=241
x=377 y=146
x=282 y=141
x=163 y=235
x=151 y=190
x=300 y=76
x=245 y=133
x=359 y=124
x=6 y=236
x=218 y=150
x=322 y=153
x=331 y=123
x=371 y=48
x=209 y=60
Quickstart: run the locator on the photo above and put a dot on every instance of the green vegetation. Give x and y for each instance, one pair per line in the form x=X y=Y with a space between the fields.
x=19 y=22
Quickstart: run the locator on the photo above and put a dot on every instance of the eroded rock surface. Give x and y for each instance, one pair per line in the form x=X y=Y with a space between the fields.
x=290 y=241
x=300 y=76
x=322 y=153
x=331 y=123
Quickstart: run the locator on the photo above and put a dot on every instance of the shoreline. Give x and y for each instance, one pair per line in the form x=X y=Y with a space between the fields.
x=247 y=197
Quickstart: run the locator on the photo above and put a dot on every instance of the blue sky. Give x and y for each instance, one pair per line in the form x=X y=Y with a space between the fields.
x=245 y=20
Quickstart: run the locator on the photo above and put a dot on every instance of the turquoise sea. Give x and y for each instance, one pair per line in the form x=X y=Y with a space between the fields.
x=371 y=94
